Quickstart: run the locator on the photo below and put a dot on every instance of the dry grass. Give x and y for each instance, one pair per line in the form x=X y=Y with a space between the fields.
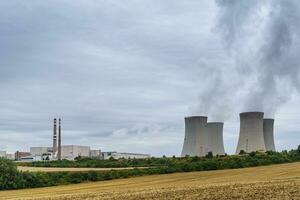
x=57 y=169
x=268 y=182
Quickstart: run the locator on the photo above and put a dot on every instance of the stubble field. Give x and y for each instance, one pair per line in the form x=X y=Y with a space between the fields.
x=66 y=169
x=268 y=182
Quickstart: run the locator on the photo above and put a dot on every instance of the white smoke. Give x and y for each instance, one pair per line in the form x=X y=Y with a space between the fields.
x=263 y=39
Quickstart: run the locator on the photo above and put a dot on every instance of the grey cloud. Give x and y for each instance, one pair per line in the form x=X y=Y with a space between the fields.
x=102 y=66
x=122 y=75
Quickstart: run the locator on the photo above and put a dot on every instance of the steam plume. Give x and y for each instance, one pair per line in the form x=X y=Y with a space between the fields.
x=263 y=40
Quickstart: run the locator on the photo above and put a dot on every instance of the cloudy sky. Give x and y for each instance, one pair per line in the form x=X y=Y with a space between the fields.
x=124 y=74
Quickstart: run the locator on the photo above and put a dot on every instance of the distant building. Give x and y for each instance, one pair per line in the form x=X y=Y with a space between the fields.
x=70 y=152
x=117 y=155
x=3 y=154
x=19 y=155
x=39 y=151
x=10 y=156
x=31 y=158
x=96 y=154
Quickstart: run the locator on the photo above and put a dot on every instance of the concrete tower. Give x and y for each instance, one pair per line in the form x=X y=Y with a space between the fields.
x=54 y=137
x=251 y=136
x=59 y=140
x=269 y=134
x=196 y=138
x=215 y=132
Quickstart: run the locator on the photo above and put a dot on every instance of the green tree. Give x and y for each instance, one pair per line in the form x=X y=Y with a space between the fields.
x=298 y=150
x=252 y=154
x=9 y=175
x=242 y=152
x=209 y=155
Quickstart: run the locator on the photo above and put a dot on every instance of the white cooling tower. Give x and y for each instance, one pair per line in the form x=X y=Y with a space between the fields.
x=215 y=132
x=196 y=138
x=269 y=134
x=251 y=136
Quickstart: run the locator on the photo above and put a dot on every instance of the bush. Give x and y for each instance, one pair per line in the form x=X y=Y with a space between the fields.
x=9 y=176
x=209 y=155
x=242 y=152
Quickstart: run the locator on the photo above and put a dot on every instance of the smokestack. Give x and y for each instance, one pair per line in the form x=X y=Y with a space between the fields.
x=215 y=132
x=59 y=140
x=196 y=138
x=251 y=136
x=54 y=137
x=269 y=134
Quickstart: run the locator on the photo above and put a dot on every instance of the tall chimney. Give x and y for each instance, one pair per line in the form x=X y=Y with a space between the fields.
x=59 y=140
x=54 y=137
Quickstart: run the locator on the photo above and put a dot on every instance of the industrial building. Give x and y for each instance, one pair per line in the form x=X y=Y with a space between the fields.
x=31 y=158
x=251 y=137
x=95 y=154
x=19 y=155
x=117 y=155
x=68 y=152
x=269 y=134
x=3 y=154
x=57 y=151
x=39 y=151
x=215 y=133
x=9 y=156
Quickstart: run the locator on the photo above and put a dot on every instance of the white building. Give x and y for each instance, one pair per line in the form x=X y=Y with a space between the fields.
x=3 y=154
x=39 y=151
x=10 y=156
x=70 y=152
x=117 y=155
x=31 y=158
x=95 y=154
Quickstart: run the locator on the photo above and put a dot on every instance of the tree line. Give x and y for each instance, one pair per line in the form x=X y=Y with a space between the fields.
x=11 y=178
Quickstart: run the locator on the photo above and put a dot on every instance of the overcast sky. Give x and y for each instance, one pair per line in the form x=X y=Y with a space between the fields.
x=123 y=74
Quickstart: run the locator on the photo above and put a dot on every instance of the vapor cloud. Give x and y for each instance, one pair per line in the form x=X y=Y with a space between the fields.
x=262 y=37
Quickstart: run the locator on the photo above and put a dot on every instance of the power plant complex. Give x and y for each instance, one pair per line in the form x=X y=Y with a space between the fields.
x=66 y=152
x=201 y=137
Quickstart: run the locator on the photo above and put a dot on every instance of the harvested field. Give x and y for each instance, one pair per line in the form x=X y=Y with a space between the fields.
x=267 y=182
x=57 y=169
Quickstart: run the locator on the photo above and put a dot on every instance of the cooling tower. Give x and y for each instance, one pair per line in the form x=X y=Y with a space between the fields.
x=269 y=134
x=251 y=136
x=195 y=140
x=215 y=132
